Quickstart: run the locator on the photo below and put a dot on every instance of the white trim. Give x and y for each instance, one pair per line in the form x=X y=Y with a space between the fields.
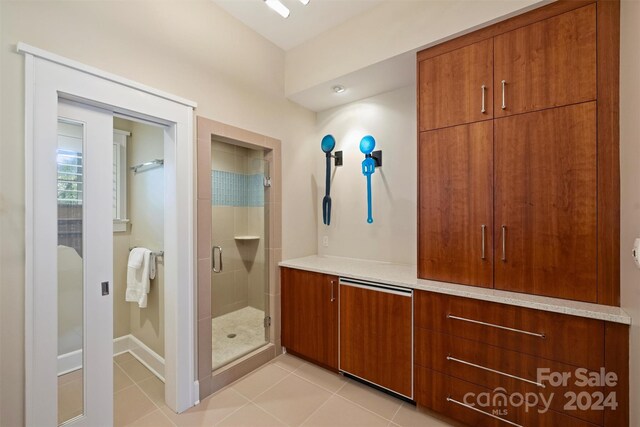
x=61 y=60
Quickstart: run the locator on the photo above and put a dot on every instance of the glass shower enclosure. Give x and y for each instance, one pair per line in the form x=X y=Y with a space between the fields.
x=239 y=280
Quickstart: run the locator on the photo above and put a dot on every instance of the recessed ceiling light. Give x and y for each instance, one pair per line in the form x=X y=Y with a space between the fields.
x=278 y=7
x=304 y=2
x=338 y=89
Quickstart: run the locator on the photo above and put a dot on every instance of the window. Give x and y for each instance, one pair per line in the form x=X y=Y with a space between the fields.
x=70 y=178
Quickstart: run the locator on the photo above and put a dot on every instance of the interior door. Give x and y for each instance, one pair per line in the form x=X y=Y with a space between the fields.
x=82 y=245
x=545 y=203
x=455 y=207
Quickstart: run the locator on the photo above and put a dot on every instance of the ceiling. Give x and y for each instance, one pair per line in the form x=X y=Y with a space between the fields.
x=304 y=23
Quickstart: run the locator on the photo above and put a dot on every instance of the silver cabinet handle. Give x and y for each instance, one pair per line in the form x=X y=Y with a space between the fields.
x=504 y=105
x=484 y=230
x=504 y=243
x=484 y=90
x=213 y=262
x=484 y=368
x=493 y=325
x=449 y=399
x=332 y=294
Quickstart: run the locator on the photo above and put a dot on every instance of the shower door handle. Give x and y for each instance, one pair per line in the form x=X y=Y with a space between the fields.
x=213 y=262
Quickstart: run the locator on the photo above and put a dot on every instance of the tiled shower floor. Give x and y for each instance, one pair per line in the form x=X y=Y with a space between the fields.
x=247 y=328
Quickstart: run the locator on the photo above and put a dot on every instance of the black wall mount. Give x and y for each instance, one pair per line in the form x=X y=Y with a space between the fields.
x=337 y=157
x=377 y=157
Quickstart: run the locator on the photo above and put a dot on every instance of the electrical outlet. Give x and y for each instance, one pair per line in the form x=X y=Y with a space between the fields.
x=325 y=241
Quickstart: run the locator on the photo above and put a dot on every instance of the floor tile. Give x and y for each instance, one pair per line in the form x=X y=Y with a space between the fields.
x=250 y=416
x=135 y=370
x=339 y=412
x=210 y=411
x=123 y=357
x=70 y=376
x=154 y=419
x=409 y=416
x=120 y=379
x=130 y=405
x=322 y=377
x=70 y=402
x=292 y=400
x=154 y=389
x=288 y=362
x=371 y=399
x=259 y=381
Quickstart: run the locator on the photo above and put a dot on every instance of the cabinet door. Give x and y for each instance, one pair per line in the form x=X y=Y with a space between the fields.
x=376 y=336
x=456 y=87
x=455 y=204
x=545 y=197
x=547 y=64
x=310 y=316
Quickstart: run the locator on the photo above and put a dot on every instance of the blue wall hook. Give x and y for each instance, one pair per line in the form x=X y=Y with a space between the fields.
x=367 y=144
x=328 y=144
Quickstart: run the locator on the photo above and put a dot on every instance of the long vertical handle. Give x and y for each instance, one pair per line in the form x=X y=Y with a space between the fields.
x=484 y=230
x=333 y=298
x=504 y=243
x=484 y=90
x=213 y=261
x=504 y=105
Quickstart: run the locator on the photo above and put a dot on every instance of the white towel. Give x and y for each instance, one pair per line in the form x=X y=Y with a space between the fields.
x=136 y=256
x=152 y=266
x=138 y=279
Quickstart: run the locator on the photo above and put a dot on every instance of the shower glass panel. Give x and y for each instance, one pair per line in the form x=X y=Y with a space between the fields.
x=239 y=280
x=70 y=271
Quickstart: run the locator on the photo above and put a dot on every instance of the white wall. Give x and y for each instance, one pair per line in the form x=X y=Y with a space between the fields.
x=629 y=189
x=192 y=49
x=390 y=29
x=391 y=119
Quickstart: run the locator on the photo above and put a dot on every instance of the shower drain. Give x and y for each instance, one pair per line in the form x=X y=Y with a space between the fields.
x=231 y=336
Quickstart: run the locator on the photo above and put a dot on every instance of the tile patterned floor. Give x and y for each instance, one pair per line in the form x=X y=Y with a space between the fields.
x=287 y=391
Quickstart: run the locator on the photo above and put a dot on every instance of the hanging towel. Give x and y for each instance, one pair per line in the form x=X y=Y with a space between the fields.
x=152 y=266
x=136 y=256
x=138 y=278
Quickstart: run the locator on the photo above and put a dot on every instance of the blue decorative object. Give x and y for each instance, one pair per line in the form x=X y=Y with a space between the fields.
x=328 y=144
x=367 y=144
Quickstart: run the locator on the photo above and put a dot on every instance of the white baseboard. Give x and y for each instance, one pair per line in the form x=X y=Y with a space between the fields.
x=72 y=361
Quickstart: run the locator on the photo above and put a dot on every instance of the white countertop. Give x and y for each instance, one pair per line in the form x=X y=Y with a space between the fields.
x=406 y=276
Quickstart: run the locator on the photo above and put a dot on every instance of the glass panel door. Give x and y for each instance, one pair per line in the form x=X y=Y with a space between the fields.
x=239 y=282
x=84 y=255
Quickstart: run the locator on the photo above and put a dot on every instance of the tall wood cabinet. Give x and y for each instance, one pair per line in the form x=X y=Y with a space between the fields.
x=310 y=316
x=518 y=184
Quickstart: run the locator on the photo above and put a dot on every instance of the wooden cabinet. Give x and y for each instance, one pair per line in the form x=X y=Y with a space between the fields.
x=547 y=64
x=455 y=213
x=310 y=316
x=456 y=87
x=470 y=354
x=376 y=335
x=545 y=203
x=539 y=168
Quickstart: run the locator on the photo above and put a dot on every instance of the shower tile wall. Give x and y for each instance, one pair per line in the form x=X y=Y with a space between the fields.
x=237 y=210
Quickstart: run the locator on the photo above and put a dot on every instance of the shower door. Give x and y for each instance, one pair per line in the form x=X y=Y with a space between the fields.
x=239 y=280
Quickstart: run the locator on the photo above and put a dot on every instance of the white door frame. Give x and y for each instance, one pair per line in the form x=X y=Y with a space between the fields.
x=49 y=77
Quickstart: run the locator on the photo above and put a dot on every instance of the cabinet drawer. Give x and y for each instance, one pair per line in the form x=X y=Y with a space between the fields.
x=494 y=367
x=573 y=340
x=463 y=401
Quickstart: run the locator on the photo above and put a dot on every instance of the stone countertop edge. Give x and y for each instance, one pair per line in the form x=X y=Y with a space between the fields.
x=406 y=276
